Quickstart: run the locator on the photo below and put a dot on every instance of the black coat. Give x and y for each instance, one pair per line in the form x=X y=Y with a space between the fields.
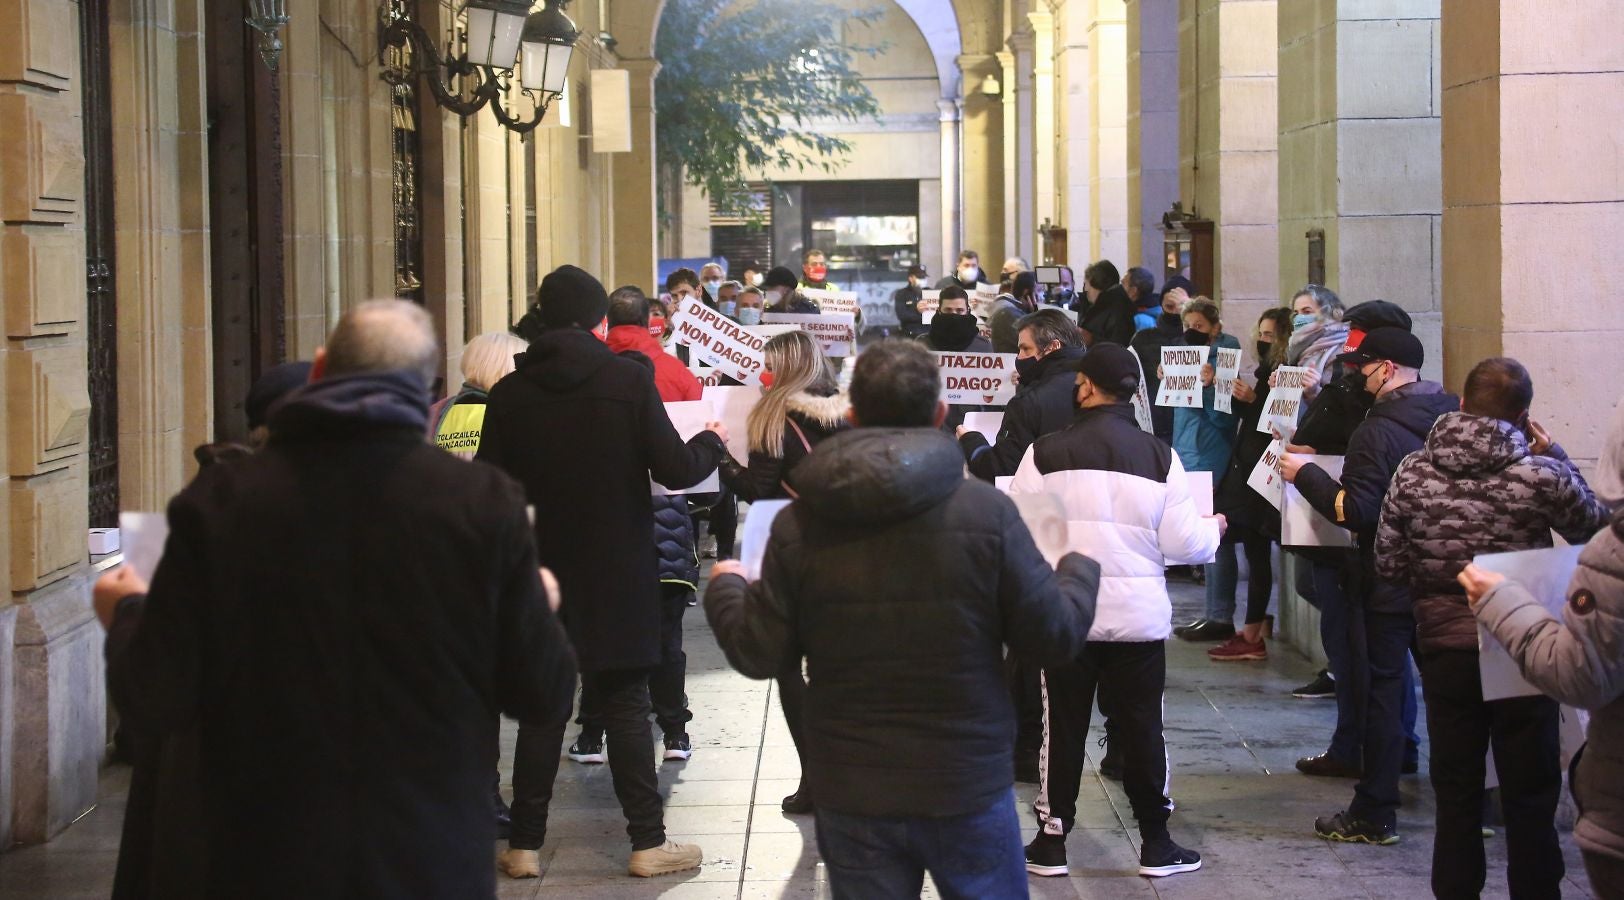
x=1234 y=497
x=582 y=429
x=1110 y=318
x=1148 y=344
x=1045 y=405
x=1396 y=427
x=1337 y=410
x=764 y=478
x=343 y=616
x=905 y=301
x=904 y=648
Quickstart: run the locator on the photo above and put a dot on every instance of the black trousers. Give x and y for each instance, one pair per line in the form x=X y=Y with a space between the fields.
x=1129 y=678
x=1524 y=734
x=624 y=709
x=1026 y=690
x=792 y=700
x=1385 y=639
x=667 y=684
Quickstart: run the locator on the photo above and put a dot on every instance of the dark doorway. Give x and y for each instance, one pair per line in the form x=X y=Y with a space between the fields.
x=245 y=214
x=101 y=310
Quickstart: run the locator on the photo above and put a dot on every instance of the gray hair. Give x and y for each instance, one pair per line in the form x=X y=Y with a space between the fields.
x=489 y=358
x=1330 y=305
x=384 y=336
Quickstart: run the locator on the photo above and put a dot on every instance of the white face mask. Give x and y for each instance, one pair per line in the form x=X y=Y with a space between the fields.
x=711 y=286
x=757 y=278
x=773 y=297
x=967 y=273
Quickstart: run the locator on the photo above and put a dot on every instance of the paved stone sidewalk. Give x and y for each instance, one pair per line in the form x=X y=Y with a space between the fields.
x=1232 y=732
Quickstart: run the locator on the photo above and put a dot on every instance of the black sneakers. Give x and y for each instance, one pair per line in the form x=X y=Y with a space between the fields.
x=1345 y=828
x=1046 y=855
x=588 y=749
x=1327 y=766
x=1323 y=687
x=677 y=746
x=1208 y=630
x=1161 y=858
x=1111 y=763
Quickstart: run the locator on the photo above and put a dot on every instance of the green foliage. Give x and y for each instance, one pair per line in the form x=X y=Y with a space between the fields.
x=739 y=83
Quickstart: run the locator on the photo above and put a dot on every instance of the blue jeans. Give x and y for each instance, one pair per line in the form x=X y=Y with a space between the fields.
x=976 y=855
x=1223 y=577
x=1347 y=658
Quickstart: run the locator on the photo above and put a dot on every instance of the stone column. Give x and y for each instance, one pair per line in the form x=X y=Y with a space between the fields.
x=1046 y=206
x=1228 y=139
x=1359 y=154
x=1153 y=127
x=982 y=170
x=949 y=114
x=1533 y=203
x=1108 y=117
x=635 y=229
x=1011 y=188
x=1076 y=157
x=1020 y=210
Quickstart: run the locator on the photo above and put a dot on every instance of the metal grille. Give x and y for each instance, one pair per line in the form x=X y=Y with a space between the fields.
x=101 y=311
x=406 y=147
x=743 y=238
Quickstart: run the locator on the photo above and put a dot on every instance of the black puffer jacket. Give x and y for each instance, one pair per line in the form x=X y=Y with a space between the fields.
x=904 y=649
x=1038 y=408
x=1148 y=344
x=764 y=478
x=675 y=542
x=1396 y=427
x=1473 y=489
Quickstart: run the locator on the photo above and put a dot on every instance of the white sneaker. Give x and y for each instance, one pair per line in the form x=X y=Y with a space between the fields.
x=520 y=863
x=665 y=859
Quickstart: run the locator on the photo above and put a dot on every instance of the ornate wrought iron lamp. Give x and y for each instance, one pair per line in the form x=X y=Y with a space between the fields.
x=268 y=18
x=488 y=41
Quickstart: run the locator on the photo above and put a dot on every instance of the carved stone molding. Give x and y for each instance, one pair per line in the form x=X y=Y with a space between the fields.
x=47 y=406
x=42 y=275
x=43 y=43
x=42 y=172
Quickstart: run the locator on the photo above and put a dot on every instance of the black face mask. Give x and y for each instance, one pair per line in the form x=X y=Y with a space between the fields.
x=953 y=331
x=1264 y=348
x=1354 y=384
x=1027 y=368
x=1195 y=338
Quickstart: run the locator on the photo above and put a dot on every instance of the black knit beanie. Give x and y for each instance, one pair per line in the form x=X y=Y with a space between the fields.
x=570 y=296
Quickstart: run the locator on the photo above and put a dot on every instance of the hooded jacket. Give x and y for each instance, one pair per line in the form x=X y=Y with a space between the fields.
x=1128 y=506
x=766 y=476
x=1169 y=332
x=1111 y=317
x=676 y=541
x=1473 y=489
x=904 y=649
x=583 y=429
x=1042 y=406
x=672 y=379
x=1396 y=427
x=1579 y=660
x=342 y=616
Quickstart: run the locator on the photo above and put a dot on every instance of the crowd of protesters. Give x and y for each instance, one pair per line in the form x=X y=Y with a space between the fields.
x=334 y=687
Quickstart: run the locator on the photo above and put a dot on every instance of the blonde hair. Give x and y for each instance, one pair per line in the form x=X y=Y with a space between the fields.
x=798 y=365
x=489 y=357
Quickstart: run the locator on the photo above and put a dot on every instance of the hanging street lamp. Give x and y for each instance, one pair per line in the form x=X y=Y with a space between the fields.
x=268 y=17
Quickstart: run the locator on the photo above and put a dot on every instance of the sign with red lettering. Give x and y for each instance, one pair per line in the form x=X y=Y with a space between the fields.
x=1223 y=382
x=833 y=301
x=1181 y=377
x=1285 y=400
x=977 y=379
x=718 y=341
x=834 y=332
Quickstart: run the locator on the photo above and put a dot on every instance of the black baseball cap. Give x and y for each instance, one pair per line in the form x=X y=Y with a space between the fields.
x=917 y=271
x=1395 y=345
x=1112 y=368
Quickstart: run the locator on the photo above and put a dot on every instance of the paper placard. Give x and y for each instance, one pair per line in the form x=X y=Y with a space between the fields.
x=1141 y=401
x=753 y=534
x=1301 y=525
x=1002 y=482
x=833 y=301
x=1045 y=517
x=732 y=405
x=1181 y=377
x=1266 y=478
x=708 y=377
x=769 y=331
x=1545 y=573
x=929 y=302
x=1223 y=379
x=718 y=341
x=1285 y=400
x=689 y=418
x=985 y=291
x=143 y=536
x=988 y=424
x=976 y=378
x=1200 y=486
x=834 y=332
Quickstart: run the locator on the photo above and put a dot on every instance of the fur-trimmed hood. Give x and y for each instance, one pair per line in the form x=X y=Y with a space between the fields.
x=829 y=413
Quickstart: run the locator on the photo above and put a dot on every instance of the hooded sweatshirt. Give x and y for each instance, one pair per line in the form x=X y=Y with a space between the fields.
x=904 y=649
x=1474 y=488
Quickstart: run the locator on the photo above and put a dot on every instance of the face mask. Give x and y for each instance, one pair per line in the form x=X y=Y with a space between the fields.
x=656 y=325
x=1364 y=385
x=767 y=380
x=773 y=297
x=749 y=315
x=727 y=307
x=1354 y=383
x=757 y=278
x=1195 y=338
x=967 y=274
x=1303 y=320
x=953 y=331
x=711 y=286
x=1264 y=348
x=816 y=273
x=1027 y=368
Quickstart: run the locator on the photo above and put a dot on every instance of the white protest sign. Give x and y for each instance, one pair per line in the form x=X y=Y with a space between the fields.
x=976 y=378
x=143 y=536
x=718 y=341
x=1045 y=517
x=1200 y=485
x=732 y=405
x=1284 y=401
x=1266 y=478
x=1301 y=525
x=929 y=301
x=1141 y=401
x=1223 y=379
x=708 y=377
x=758 y=526
x=981 y=302
x=689 y=418
x=1002 y=482
x=1545 y=573
x=833 y=301
x=1181 y=376
x=988 y=424
x=834 y=332
x=769 y=331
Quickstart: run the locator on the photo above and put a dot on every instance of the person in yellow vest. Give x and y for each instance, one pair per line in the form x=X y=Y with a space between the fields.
x=455 y=422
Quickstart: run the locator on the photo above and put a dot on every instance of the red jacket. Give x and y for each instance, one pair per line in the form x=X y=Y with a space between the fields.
x=671 y=378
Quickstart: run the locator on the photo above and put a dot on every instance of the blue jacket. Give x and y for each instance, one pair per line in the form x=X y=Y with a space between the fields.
x=674 y=542
x=1205 y=437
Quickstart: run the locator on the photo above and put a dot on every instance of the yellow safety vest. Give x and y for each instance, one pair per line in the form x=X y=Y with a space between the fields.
x=459 y=429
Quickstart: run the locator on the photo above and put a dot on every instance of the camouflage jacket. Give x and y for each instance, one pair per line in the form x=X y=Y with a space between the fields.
x=1473 y=488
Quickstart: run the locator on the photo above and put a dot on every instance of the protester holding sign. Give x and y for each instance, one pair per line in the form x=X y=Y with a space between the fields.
x=906 y=299
x=1148 y=344
x=954 y=327
x=1489 y=480
x=1317 y=336
x=800 y=407
x=815 y=270
x=966 y=275
x=1202 y=435
x=629 y=330
x=1048 y=352
x=782 y=292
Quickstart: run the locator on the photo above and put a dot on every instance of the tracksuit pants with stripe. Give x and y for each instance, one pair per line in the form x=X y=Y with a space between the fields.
x=1128 y=677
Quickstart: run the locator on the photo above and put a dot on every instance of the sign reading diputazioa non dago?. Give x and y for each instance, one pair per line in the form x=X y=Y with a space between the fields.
x=1181 y=376
x=978 y=379
x=1285 y=400
x=718 y=341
